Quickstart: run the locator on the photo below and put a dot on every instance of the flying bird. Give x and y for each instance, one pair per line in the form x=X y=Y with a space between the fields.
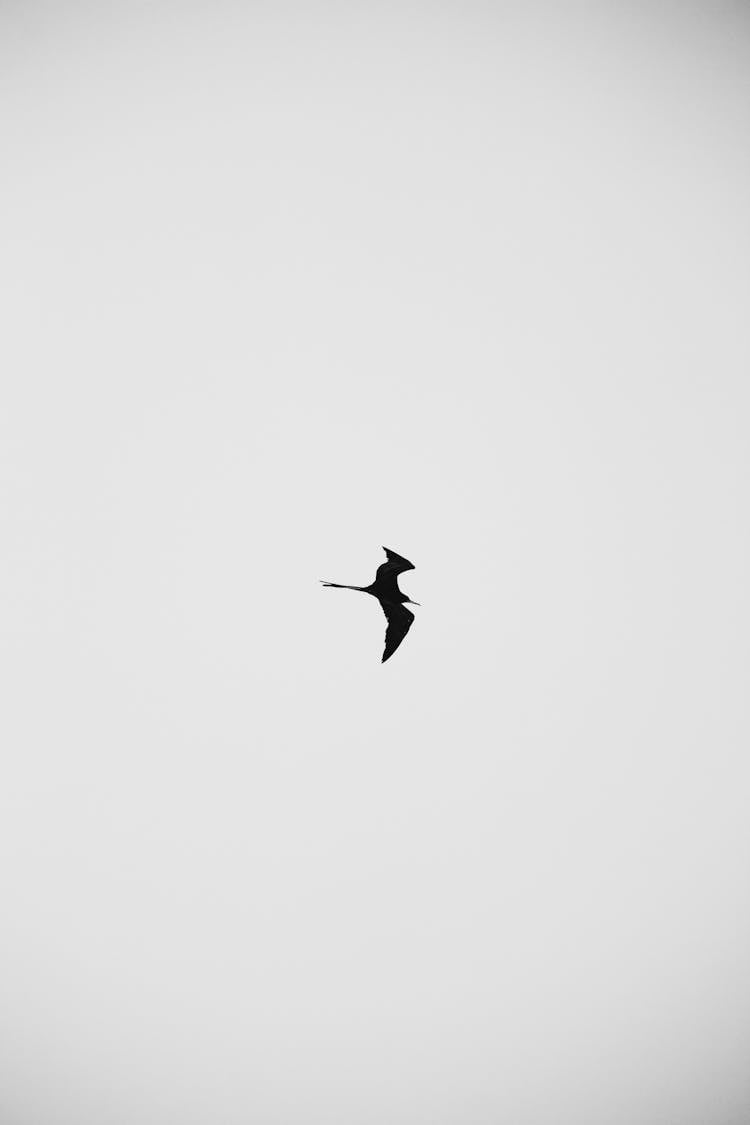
x=385 y=589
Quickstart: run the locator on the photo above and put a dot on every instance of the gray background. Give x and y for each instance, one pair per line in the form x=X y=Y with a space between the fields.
x=283 y=283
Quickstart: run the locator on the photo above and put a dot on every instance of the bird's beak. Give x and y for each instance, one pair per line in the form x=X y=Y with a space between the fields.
x=414 y=603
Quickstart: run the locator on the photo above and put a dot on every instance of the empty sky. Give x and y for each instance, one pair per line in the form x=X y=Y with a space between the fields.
x=282 y=283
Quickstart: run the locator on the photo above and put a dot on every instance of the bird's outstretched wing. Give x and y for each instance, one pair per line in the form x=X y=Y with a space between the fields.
x=386 y=576
x=386 y=581
x=396 y=563
x=399 y=622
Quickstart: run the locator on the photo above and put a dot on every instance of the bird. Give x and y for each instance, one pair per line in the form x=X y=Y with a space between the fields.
x=385 y=589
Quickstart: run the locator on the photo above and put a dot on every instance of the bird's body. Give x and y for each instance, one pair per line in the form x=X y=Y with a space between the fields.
x=385 y=589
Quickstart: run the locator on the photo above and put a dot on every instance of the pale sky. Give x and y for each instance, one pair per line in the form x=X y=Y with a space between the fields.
x=282 y=283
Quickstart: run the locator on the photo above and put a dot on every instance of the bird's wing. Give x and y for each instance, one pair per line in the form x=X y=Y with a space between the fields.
x=399 y=622
x=386 y=576
x=396 y=563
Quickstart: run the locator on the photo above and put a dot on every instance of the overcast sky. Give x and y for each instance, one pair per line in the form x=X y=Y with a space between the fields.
x=283 y=283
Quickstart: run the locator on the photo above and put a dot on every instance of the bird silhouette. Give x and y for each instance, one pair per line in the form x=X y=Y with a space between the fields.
x=385 y=589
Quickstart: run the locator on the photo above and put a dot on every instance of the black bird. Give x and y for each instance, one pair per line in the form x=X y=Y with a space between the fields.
x=385 y=589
